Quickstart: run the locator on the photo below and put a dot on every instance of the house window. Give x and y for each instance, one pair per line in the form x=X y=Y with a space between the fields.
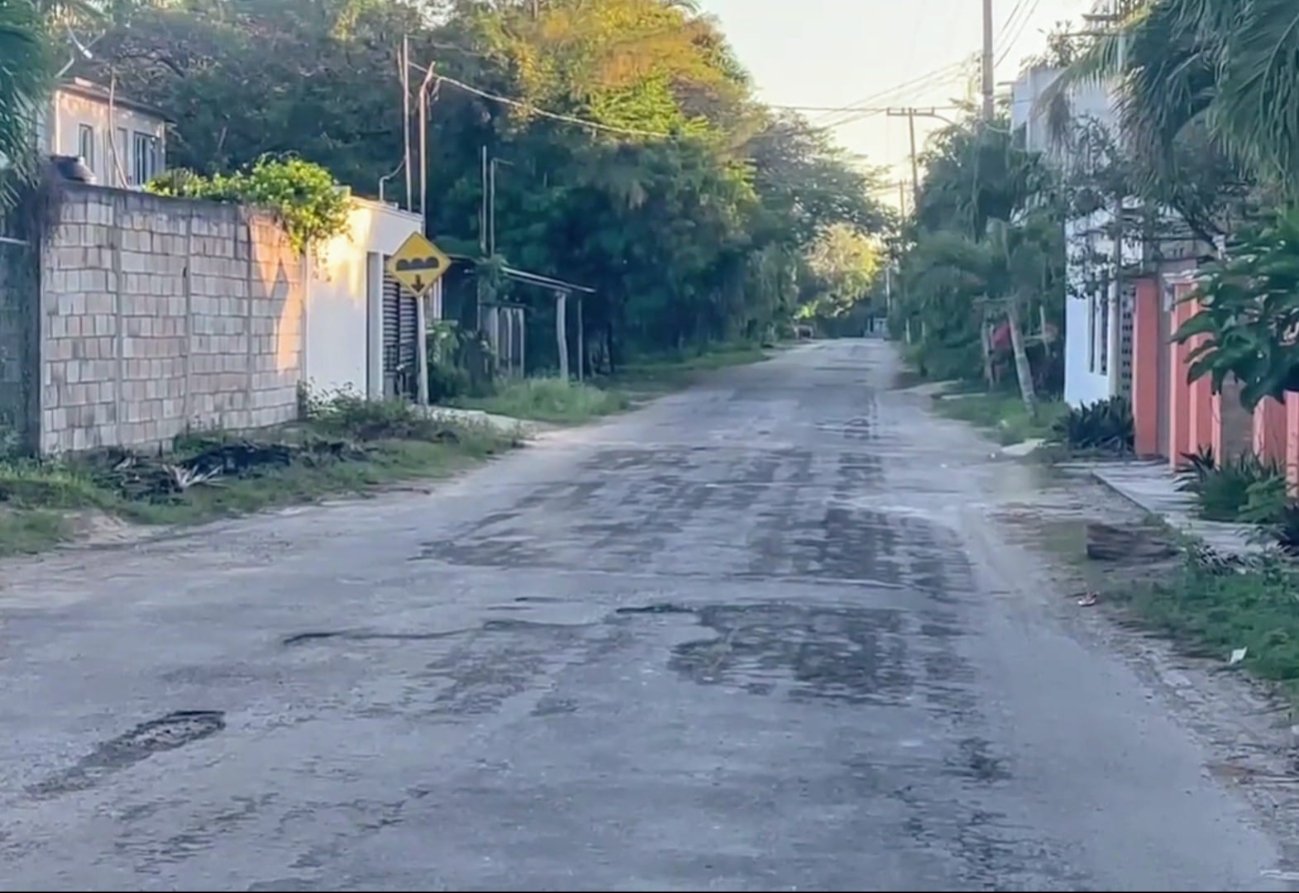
x=86 y=145
x=145 y=158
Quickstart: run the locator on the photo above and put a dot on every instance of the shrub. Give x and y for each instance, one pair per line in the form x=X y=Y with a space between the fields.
x=1223 y=490
x=350 y=415
x=305 y=196
x=1104 y=425
x=553 y=400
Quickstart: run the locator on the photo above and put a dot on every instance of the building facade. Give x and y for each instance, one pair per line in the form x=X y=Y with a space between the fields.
x=121 y=141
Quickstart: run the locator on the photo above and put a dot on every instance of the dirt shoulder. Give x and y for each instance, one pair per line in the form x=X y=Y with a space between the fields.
x=349 y=447
x=1247 y=721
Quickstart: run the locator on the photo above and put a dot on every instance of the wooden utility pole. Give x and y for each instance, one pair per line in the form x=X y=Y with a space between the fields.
x=910 y=114
x=988 y=107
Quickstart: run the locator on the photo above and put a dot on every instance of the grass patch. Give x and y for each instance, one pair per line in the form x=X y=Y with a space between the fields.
x=1217 y=612
x=28 y=531
x=1002 y=413
x=572 y=403
x=551 y=400
x=346 y=446
x=667 y=373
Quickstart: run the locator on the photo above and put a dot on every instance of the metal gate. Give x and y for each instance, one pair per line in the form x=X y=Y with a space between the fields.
x=400 y=338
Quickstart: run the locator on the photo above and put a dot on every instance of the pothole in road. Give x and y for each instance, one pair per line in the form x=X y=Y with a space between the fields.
x=661 y=608
x=169 y=732
x=489 y=626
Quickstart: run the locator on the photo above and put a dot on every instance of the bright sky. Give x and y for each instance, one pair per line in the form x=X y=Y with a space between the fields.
x=837 y=53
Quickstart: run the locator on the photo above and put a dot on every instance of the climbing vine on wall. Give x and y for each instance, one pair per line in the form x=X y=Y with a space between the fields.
x=307 y=199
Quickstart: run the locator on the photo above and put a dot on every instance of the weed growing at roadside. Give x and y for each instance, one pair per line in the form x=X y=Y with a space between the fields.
x=552 y=400
x=1217 y=611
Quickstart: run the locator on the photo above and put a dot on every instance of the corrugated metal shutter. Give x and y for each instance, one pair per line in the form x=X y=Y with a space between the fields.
x=400 y=339
x=391 y=334
x=409 y=327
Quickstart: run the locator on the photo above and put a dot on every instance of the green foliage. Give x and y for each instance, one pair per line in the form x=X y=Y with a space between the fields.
x=552 y=400
x=1003 y=413
x=303 y=195
x=360 y=418
x=696 y=237
x=1105 y=425
x=25 y=63
x=845 y=263
x=1249 y=310
x=460 y=363
x=1221 y=612
x=984 y=245
x=1224 y=490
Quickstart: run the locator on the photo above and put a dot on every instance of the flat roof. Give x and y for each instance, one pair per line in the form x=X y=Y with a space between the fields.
x=92 y=90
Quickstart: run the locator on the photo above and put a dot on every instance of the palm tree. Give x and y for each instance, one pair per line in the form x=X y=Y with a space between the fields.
x=23 y=79
x=1223 y=71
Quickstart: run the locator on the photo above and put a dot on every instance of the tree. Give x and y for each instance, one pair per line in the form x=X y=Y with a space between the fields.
x=686 y=204
x=984 y=248
x=844 y=263
x=1209 y=94
x=24 y=77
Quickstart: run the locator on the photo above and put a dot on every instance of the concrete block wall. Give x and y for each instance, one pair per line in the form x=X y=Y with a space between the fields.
x=160 y=315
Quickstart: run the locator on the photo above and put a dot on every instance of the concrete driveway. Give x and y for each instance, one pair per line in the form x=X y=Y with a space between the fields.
x=759 y=635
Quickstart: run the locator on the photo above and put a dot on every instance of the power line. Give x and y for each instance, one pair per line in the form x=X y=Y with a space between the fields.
x=543 y=113
x=1010 y=44
x=874 y=110
x=915 y=83
x=1005 y=25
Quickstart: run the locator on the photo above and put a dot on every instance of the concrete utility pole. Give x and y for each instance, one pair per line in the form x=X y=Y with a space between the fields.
x=424 y=88
x=405 y=116
x=988 y=107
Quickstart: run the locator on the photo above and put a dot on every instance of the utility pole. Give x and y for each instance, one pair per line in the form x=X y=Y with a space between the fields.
x=405 y=115
x=424 y=88
x=910 y=114
x=988 y=108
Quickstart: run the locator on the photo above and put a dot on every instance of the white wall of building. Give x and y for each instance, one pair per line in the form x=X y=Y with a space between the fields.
x=1093 y=311
x=1090 y=325
x=344 y=300
x=122 y=143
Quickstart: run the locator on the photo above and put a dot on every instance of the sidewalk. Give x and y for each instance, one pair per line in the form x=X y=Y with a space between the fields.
x=1152 y=486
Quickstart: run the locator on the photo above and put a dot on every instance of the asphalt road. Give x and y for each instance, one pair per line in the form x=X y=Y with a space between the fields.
x=759 y=635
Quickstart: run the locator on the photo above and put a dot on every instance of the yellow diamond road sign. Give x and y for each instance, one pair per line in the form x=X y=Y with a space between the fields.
x=418 y=264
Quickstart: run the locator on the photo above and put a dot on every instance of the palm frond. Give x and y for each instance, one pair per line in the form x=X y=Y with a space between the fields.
x=23 y=80
x=1257 y=108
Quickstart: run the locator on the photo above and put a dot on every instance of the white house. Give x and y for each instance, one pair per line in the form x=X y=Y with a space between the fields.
x=121 y=141
x=1098 y=309
x=360 y=327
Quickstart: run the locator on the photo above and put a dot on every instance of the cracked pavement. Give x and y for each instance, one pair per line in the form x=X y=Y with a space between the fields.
x=761 y=634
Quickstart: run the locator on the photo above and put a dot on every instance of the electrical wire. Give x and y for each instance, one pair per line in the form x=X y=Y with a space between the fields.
x=1009 y=20
x=543 y=113
x=874 y=110
x=919 y=82
x=1010 y=44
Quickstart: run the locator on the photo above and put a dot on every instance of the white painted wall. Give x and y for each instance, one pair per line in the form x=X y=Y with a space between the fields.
x=1093 y=320
x=344 y=300
x=112 y=129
